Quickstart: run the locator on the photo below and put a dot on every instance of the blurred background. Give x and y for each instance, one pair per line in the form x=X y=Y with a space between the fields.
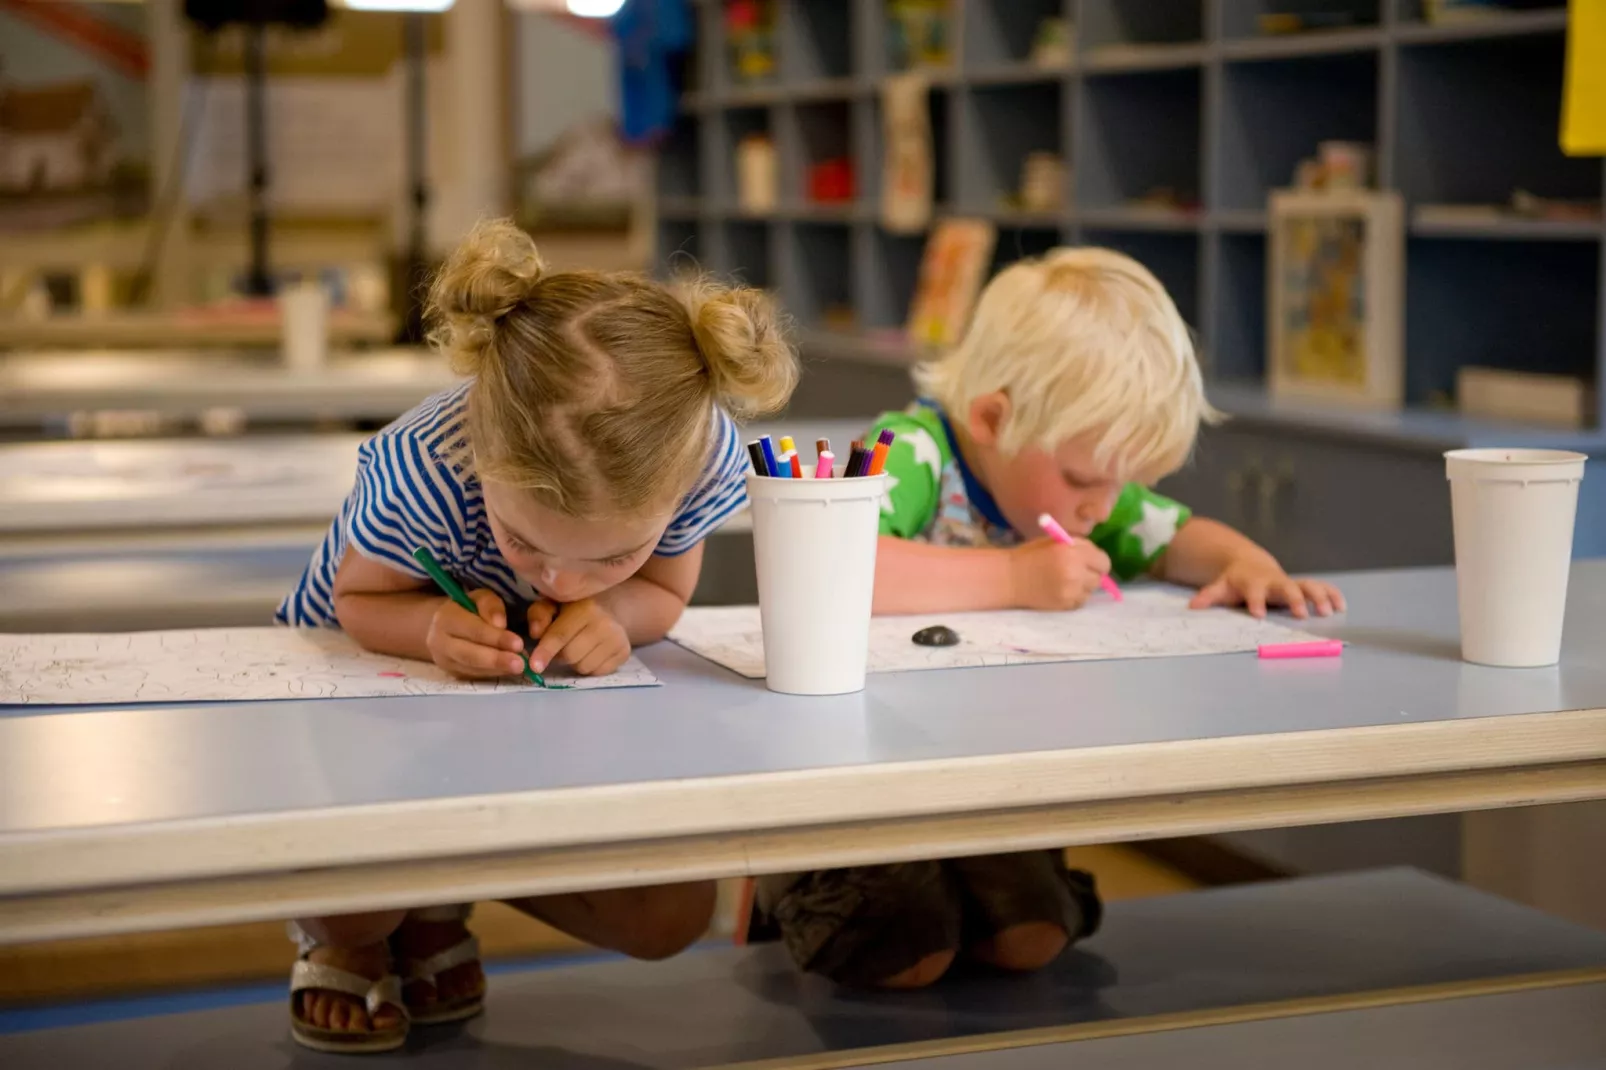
x=1381 y=218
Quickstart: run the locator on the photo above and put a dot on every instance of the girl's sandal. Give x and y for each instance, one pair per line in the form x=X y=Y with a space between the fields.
x=425 y=971
x=310 y=976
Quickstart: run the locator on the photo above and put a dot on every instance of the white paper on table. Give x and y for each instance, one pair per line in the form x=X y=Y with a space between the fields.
x=1147 y=624
x=238 y=665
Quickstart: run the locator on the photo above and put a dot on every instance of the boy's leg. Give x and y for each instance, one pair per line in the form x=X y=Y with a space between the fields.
x=355 y=943
x=1023 y=910
x=895 y=926
x=644 y=923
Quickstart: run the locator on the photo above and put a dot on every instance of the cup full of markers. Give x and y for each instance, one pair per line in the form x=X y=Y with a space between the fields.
x=814 y=539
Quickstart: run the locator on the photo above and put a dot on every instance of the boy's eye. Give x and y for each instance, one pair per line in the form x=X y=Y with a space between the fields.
x=1078 y=482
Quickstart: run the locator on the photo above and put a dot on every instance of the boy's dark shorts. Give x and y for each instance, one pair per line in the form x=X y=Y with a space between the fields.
x=861 y=925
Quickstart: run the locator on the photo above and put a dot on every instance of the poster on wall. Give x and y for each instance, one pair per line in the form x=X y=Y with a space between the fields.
x=74 y=124
x=1335 y=323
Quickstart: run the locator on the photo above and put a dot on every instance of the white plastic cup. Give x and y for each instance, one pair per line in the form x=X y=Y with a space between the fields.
x=1513 y=513
x=304 y=314
x=814 y=543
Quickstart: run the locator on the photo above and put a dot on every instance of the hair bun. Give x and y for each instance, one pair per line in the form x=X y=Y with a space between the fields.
x=752 y=366
x=493 y=271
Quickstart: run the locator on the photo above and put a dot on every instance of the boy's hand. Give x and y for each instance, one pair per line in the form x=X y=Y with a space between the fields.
x=585 y=634
x=475 y=647
x=1048 y=575
x=1257 y=580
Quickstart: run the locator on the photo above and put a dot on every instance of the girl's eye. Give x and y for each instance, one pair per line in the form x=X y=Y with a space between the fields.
x=615 y=562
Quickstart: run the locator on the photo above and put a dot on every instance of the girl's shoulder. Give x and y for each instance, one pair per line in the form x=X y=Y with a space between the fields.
x=434 y=431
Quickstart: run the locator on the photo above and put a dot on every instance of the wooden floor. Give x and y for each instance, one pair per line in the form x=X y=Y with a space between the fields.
x=125 y=965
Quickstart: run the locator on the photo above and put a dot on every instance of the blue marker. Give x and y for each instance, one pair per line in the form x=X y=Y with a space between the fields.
x=769 y=455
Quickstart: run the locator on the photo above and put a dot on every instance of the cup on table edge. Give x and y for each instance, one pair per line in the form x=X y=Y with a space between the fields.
x=1513 y=513
x=814 y=545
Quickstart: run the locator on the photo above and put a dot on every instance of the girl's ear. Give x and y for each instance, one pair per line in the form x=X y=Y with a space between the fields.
x=988 y=416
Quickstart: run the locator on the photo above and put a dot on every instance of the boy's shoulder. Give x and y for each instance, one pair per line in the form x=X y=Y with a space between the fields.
x=921 y=428
x=921 y=452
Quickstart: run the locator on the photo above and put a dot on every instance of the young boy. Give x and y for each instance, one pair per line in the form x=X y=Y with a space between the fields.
x=1075 y=387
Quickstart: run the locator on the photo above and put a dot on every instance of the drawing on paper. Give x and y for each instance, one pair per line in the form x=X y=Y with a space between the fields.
x=1148 y=624
x=237 y=665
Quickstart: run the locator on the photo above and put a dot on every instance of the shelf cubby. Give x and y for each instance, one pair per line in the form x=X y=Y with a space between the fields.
x=887 y=286
x=1241 y=19
x=1478 y=119
x=1127 y=23
x=741 y=252
x=817 y=272
x=939 y=103
x=1174 y=259
x=999 y=33
x=1021 y=243
x=1000 y=127
x=1275 y=113
x=811 y=133
x=818 y=41
x=731 y=127
x=1114 y=166
x=679 y=170
x=1531 y=306
x=1237 y=351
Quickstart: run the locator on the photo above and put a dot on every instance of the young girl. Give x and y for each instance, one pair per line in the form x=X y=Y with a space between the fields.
x=568 y=485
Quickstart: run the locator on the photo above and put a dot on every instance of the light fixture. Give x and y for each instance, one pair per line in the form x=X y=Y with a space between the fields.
x=595 y=9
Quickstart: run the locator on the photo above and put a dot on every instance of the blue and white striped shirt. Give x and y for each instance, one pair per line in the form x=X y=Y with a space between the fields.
x=416 y=486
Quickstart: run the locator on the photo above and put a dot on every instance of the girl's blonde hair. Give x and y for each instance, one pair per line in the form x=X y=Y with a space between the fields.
x=596 y=391
x=1083 y=341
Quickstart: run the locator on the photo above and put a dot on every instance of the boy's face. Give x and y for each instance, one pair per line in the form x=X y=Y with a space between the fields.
x=565 y=558
x=1068 y=484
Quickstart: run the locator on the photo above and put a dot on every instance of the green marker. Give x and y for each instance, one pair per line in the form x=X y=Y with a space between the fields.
x=460 y=596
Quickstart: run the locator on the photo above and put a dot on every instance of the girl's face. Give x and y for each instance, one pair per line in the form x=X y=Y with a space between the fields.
x=563 y=558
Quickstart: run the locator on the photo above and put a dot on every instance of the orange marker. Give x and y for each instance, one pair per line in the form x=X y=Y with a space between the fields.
x=878 y=459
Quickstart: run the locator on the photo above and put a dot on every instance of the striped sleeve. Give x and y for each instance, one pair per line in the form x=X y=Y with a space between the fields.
x=404 y=498
x=720 y=492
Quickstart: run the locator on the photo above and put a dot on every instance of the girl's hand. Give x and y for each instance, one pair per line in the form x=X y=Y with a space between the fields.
x=474 y=646
x=1047 y=575
x=1257 y=580
x=583 y=633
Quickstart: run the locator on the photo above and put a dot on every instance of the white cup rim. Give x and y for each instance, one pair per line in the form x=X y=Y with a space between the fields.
x=1498 y=456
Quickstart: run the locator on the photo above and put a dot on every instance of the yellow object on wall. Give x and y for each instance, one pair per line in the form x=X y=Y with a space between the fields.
x=1583 y=110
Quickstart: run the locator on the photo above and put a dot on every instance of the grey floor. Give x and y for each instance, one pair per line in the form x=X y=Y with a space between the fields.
x=1225 y=947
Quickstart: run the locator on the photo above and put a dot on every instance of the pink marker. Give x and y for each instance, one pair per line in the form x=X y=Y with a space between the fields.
x=1052 y=529
x=822 y=467
x=1324 y=648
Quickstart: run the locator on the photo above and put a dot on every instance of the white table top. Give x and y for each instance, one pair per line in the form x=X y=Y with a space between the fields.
x=93 y=796
x=366 y=384
x=121 y=486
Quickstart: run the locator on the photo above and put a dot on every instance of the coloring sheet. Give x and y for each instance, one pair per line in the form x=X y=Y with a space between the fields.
x=1147 y=624
x=237 y=665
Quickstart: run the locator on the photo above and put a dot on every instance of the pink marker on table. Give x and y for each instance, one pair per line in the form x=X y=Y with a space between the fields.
x=1324 y=648
x=1052 y=529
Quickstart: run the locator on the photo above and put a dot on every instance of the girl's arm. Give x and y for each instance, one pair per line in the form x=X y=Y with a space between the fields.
x=649 y=603
x=392 y=613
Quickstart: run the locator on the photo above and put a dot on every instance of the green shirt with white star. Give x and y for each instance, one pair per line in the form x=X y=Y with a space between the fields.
x=927 y=500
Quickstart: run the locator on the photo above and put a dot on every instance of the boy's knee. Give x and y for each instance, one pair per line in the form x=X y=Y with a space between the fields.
x=658 y=923
x=1025 y=947
x=928 y=971
x=352 y=930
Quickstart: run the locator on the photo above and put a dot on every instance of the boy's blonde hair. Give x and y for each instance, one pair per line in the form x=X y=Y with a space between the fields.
x=1083 y=341
x=596 y=391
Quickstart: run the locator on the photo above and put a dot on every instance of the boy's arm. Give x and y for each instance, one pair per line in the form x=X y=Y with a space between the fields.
x=1229 y=568
x=916 y=577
